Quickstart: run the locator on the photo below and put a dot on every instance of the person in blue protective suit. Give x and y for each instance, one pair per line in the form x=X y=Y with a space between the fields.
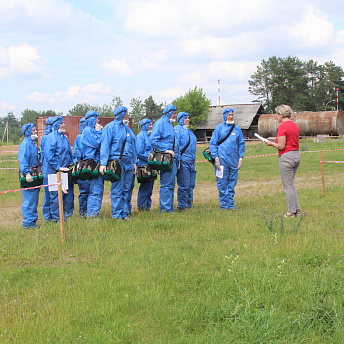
x=28 y=156
x=164 y=138
x=46 y=201
x=130 y=158
x=228 y=155
x=186 y=175
x=144 y=148
x=84 y=185
x=91 y=139
x=113 y=142
x=58 y=155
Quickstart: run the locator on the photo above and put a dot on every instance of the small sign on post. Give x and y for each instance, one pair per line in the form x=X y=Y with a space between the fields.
x=322 y=172
x=59 y=190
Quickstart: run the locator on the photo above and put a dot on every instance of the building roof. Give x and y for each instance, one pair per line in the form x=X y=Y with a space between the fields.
x=243 y=115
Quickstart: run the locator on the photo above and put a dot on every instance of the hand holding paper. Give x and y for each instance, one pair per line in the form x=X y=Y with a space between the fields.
x=260 y=138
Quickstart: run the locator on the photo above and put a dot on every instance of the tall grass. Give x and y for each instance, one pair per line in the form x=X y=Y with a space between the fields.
x=199 y=276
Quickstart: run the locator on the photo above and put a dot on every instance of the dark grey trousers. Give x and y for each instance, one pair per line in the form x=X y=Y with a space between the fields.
x=288 y=164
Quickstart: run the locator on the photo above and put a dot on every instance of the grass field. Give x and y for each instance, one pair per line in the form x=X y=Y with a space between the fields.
x=199 y=276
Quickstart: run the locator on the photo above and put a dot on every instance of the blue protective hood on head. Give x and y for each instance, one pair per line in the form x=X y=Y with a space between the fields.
x=82 y=124
x=48 y=125
x=181 y=117
x=57 y=122
x=168 y=110
x=145 y=124
x=120 y=112
x=27 y=129
x=91 y=118
x=226 y=112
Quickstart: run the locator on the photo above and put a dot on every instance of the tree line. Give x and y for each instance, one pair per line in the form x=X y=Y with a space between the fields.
x=304 y=85
x=194 y=102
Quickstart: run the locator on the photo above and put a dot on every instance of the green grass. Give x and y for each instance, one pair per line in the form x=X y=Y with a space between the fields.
x=201 y=276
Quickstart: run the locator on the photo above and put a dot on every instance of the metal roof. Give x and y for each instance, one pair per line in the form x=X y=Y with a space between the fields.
x=243 y=115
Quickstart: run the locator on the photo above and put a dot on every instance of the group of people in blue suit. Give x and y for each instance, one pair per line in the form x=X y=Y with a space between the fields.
x=116 y=141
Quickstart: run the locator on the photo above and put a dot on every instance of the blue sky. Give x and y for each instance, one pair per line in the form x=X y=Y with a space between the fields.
x=55 y=54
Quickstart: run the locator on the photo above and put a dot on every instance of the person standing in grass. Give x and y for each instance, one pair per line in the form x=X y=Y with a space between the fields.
x=58 y=155
x=186 y=175
x=90 y=141
x=84 y=185
x=144 y=148
x=28 y=157
x=114 y=137
x=165 y=139
x=46 y=201
x=227 y=147
x=287 y=143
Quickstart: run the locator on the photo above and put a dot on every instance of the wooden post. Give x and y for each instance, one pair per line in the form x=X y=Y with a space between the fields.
x=59 y=187
x=322 y=172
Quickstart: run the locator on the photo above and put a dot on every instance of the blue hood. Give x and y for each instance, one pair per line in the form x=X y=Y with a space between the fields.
x=168 y=111
x=82 y=124
x=145 y=124
x=91 y=118
x=48 y=125
x=57 y=122
x=27 y=129
x=226 y=112
x=120 y=112
x=181 y=117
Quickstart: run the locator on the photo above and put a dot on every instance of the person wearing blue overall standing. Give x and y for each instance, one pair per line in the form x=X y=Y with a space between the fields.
x=28 y=157
x=58 y=155
x=228 y=155
x=91 y=139
x=186 y=175
x=84 y=185
x=46 y=201
x=164 y=138
x=144 y=148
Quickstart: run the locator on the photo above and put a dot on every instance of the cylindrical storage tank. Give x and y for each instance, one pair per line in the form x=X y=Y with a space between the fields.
x=309 y=123
x=72 y=126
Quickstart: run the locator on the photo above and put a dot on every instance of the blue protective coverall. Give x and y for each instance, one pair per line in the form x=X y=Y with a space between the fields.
x=186 y=174
x=163 y=138
x=58 y=153
x=144 y=148
x=114 y=135
x=229 y=153
x=84 y=185
x=91 y=140
x=46 y=201
x=129 y=159
x=28 y=157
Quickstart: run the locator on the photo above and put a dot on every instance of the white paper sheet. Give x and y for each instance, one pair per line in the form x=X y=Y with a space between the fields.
x=260 y=138
x=52 y=179
x=218 y=173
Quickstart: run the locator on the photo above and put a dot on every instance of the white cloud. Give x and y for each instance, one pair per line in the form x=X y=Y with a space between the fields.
x=116 y=67
x=314 y=31
x=238 y=71
x=151 y=61
x=23 y=60
x=5 y=108
x=169 y=94
x=44 y=16
x=193 y=79
x=219 y=47
x=73 y=94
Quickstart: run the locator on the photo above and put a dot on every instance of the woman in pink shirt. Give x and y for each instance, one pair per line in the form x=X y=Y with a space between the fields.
x=287 y=143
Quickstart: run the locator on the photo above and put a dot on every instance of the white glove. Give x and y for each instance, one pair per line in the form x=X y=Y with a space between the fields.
x=217 y=163
x=102 y=169
x=98 y=127
x=29 y=178
x=135 y=168
x=171 y=152
x=63 y=169
x=239 y=163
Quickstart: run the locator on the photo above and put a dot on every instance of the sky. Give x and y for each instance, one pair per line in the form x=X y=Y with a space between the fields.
x=55 y=54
